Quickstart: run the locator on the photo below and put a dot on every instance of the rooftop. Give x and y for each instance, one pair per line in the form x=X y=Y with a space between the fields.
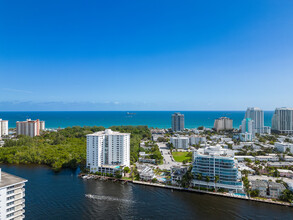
x=215 y=151
x=284 y=108
x=258 y=183
x=285 y=171
x=9 y=179
x=107 y=132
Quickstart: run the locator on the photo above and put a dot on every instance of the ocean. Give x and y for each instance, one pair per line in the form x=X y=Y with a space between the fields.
x=156 y=119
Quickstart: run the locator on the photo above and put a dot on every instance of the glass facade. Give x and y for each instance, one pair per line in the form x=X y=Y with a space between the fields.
x=225 y=167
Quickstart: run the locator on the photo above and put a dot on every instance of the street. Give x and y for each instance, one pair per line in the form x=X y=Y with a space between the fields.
x=168 y=163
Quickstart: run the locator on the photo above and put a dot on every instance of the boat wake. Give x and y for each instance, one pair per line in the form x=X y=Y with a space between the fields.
x=107 y=198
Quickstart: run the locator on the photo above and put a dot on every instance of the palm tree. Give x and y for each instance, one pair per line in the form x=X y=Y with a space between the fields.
x=207 y=180
x=199 y=177
x=216 y=180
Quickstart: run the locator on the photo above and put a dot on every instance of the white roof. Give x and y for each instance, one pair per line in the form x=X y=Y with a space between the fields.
x=107 y=132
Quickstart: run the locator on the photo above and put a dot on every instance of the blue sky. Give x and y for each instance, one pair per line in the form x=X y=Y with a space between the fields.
x=145 y=55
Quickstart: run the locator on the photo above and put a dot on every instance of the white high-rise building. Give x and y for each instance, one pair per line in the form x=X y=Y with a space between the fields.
x=257 y=115
x=282 y=121
x=247 y=130
x=223 y=124
x=12 y=194
x=107 y=151
x=3 y=127
x=177 y=122
x=247 y=125
x=29 y=127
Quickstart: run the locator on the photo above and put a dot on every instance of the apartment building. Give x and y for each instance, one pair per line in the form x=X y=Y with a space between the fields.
x=282 y=121
x=180 y=142
x=284 y=147
x=223 y=124
x=257 y=116
x=108 y=151
x=12 y=194
x=177 y=122
x=30 y=127
x=212 y=162
x=3 y=128
x=193 y=140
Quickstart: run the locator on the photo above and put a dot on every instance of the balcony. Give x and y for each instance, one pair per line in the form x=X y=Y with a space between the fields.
x=18 y=213
x=19 y=207
x=19 y=196
x=18 y=191
x=19 y=186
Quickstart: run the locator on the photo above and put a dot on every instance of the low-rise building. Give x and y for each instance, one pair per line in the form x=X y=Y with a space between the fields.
x=288 y=158
x=246 y=137
x=243 y=158
x=177 y=174
x=193 y=140
x=146 y=160
x=146 y=173
x=284 y=147
x=243 y=167
x=180 y=142
x=267 y=130
x=285 y=173
x=109 y=169
x=280 y=164
x=268 y=189
x=261 y=186
x=275 y=189
x=267 y=158
x=226 y=140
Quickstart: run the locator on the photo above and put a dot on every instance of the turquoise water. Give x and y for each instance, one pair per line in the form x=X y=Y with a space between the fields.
x=159 y=119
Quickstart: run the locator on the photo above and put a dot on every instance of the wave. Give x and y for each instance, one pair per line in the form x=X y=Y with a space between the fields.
x=108 y=198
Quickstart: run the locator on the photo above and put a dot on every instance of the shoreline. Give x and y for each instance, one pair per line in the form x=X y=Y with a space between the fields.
x=177 y=188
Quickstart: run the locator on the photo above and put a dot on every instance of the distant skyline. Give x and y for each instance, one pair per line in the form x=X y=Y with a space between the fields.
x=145 y=55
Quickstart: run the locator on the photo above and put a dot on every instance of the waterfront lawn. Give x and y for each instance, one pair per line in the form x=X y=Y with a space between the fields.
x=182 y=156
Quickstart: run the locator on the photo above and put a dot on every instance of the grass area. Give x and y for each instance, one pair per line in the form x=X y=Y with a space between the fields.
x=181 y=156
x=126 y=178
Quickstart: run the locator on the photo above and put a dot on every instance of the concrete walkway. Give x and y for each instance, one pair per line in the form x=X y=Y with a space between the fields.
x=228 y=195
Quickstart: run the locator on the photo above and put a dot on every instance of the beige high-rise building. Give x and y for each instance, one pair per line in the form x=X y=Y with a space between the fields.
x=29 y=127
x=12 y=195
x=223 y=124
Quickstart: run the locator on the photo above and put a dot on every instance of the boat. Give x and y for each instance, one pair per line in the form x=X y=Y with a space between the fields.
x=131 y=113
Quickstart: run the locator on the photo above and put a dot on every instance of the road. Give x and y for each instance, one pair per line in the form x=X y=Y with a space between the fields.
x=168 y=158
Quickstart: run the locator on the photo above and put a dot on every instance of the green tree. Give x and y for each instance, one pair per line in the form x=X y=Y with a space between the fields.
x=287 y=196
x=207 y=180
x=217 y=178
x=126 y=170
x=254 y=193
